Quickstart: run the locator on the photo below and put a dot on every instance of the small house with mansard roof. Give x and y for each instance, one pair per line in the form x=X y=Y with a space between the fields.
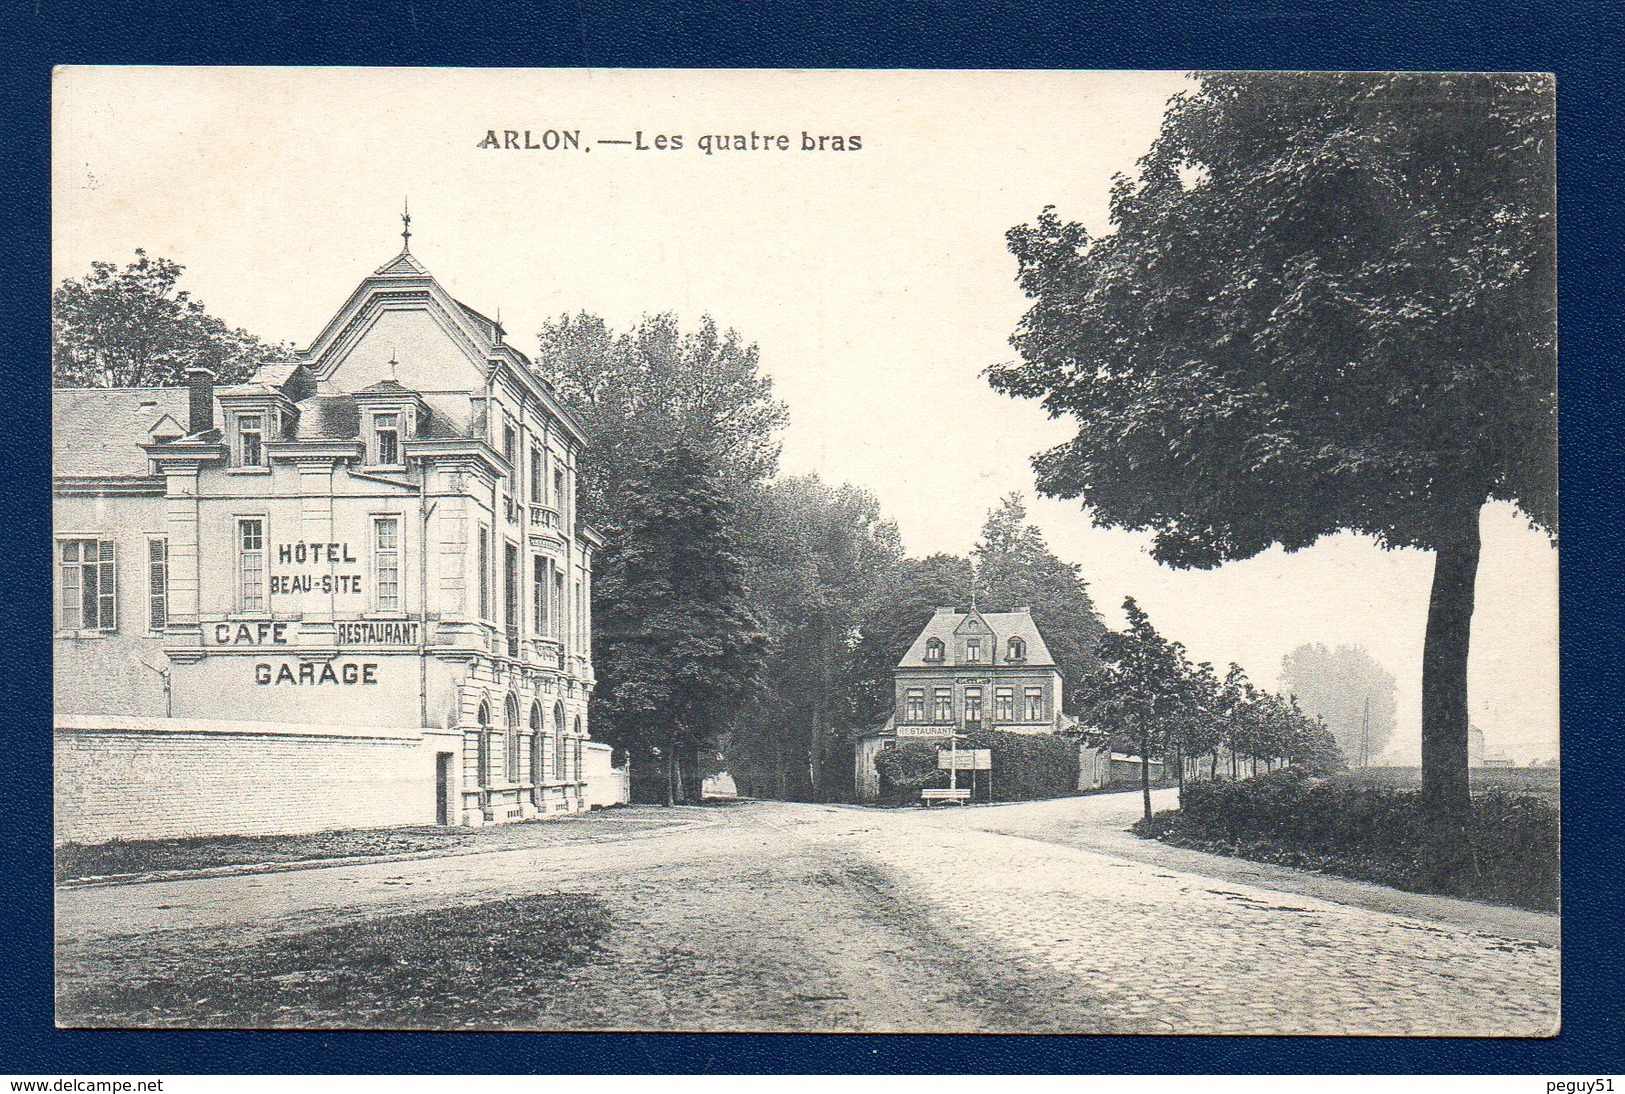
x=352 y=591
x=967 y=671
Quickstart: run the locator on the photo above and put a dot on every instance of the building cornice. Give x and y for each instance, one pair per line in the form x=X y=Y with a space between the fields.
x=107 y=485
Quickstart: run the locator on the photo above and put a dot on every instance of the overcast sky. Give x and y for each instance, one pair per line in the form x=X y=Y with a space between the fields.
x=876 y=282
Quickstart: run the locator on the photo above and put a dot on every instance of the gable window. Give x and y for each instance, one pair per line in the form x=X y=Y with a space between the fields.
x=973 y=704
x=386 y=439
x=1004 y=704
x=157 y=584
x=934 y=650
x=1035 y=704
x=250 y=440
x=914 y=705
x=1018 y=650
x=89 y=584
x=973 y=650
x=251 y=564
x=386 y=563
x=943 y=705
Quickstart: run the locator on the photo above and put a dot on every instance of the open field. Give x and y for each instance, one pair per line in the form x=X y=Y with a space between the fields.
x=1539 y=781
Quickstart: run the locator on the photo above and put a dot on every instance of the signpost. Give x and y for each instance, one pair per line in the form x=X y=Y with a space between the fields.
x=953 y=760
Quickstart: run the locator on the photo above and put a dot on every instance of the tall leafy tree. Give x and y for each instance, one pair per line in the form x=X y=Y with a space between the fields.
x=1141 y=694
x=652 y=386
x=1347 y=688
x=1327 y=302
x=676 y=645
x=1016 y=569
x=816 y=555
x=132 y=327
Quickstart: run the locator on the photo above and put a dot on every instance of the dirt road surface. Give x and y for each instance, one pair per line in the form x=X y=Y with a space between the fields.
x=1039 y=917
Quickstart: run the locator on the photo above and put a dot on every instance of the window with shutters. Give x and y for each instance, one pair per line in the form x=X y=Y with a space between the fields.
x=157 y=584
x=251 y=564
x=87 y=585
x=386 y=563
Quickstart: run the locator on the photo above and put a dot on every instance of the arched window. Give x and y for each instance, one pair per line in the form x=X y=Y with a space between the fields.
x=510 y=768
x=934 y=650
x=537 y=736
x=1018 y=650
x=559 y=772
x=485 y=744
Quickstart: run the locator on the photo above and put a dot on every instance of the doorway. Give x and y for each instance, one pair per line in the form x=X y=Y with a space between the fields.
x=442 y=788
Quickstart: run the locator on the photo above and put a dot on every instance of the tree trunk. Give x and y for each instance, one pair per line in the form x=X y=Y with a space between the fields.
x=671 y=773
x=1444 y=667
x=1213 y=768
x=1145 y=773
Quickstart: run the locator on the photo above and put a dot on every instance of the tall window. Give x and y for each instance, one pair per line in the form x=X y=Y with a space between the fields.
x=943 y=705
x=251 y=564
x=973 y=650
x=386 y=563
x=511 y=768
x=558 y=605
x=482 y=559
x=538 y=480
x=575 y=750
x=1004 y=704
x=914 y=705
x=485 y=760
x=558 y=490
x=386 y=439
x=1035 y=704
x=510 y=446
x=538 y=594
x=89 y=584
x=934 y=650
x=251 y=440
x=973 y=704
x=157 y=584
x=558 y=742
x=537 y=761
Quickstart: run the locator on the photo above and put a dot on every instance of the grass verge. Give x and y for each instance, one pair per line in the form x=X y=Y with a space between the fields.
x=472 y=967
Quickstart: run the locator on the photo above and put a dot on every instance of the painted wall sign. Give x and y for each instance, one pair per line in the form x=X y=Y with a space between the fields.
x=252 y=632
x=314 y=674
x=316 y=556
x=377 y=632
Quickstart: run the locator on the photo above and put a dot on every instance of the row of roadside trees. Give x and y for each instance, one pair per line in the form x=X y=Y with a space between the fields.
x=1150 y=698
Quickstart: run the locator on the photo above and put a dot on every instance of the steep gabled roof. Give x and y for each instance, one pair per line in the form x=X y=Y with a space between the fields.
x=1003 y=626
x=99 y=431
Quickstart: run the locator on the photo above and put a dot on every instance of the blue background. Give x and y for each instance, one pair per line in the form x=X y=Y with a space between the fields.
x=1571 y=39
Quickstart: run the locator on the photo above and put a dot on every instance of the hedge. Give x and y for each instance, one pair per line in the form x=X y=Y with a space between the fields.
x=1506 y=852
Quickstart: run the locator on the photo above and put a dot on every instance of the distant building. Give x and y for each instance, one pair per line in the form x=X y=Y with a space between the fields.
x=967 y=671
x=1475 y=747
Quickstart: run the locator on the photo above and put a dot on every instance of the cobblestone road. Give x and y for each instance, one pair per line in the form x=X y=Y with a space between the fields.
x=776 y=916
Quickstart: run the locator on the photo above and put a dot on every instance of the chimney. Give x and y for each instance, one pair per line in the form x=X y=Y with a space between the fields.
x=200 y=418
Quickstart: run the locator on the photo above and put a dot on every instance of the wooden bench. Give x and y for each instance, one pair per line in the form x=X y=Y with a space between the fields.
x=958 y=797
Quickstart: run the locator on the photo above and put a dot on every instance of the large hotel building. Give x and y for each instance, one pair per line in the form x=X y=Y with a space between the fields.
x=352 y=591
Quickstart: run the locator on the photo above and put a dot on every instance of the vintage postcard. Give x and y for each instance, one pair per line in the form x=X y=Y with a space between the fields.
x=845 y=551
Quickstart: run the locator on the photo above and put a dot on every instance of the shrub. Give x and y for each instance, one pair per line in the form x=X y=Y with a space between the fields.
x=1505 y=851
x=1028 y=766
x=905 y=769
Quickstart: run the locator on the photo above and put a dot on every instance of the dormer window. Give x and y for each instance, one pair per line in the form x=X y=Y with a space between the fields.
x=250 y=440
x=1018 y=650
x=386 y=440
x=934 y=650
x=973 y=650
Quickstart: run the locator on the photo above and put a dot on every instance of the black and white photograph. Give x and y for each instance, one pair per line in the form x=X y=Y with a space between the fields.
x=835 y=551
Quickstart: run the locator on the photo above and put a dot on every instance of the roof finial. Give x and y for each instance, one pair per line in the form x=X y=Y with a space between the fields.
x=406 y=225
x=499 y=324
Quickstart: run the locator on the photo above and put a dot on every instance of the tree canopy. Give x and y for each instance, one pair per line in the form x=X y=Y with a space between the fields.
x=1343 y=686
x=1326 y=302
x=131 y=327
